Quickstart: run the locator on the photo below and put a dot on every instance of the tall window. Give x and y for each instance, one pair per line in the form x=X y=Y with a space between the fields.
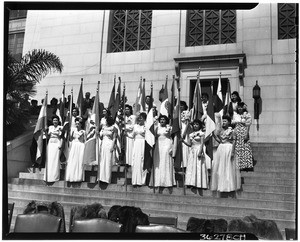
x=15 y=44
x=210 y=27
x=15 y=14
x=287 y=28
x=130 y=30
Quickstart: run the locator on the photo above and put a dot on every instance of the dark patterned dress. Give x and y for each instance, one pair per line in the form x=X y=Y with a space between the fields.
x=243 y=149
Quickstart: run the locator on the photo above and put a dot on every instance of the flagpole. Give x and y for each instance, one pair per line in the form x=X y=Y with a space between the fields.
x=151 y=88
x=124 y=138
x=179 y=114
x=46 y=126
x=97 y=129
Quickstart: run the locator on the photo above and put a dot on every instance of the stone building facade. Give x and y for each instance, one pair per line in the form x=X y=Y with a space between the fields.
x=83 y=40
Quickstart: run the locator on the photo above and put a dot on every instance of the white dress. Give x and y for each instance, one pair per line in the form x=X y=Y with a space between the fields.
x=106 y=156
x=185 y=130
x=138 y=151
x=52 y=172
x=196 y=170
x=75 y=164
x=225 y=174
x=129 y=124
x=163 y=170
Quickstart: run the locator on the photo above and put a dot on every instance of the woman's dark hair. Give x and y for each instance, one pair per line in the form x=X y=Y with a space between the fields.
x=228 y=118
x=77 y=110
x=165 y=117
x=198 y=122
x=107 y=112
x=110 y=121
x=238 y=96
x=130 y=108
x=243 y=105
x=55 y=116
x=143 y=115
x=185 y=106
x=78 y=119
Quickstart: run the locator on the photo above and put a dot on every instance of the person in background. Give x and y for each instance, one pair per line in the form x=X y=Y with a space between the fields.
x=52 y=172
x=108 y=136
x=34 y=109
x=138 y=151
x=242 y=121
x=129 y=125
x=75 y=171
x=196 y=170
x=225 y=174
x=231 y=108
x=163 y=174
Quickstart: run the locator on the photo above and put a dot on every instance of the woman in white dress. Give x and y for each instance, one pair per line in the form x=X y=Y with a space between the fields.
x=138 y=151
x=185 y=131
x=108 y=136
x=52 y=171
x=225 y=173
x=129 y=124
x=196 y=170
x=75 y=164
x=163 y=172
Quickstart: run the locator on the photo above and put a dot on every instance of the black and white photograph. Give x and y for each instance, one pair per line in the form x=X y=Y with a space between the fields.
x=150 y=120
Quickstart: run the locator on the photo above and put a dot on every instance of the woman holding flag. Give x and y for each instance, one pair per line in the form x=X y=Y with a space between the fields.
x=52 y=173
x=129 y=124
x=74 y=171
x=108 y=136
x=196 y=170
x=163 y=169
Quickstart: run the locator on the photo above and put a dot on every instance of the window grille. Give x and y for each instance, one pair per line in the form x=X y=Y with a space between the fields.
x=210 y=27
x=15 y=44
x=131 y=30
x=287 y=28
x=15 y=14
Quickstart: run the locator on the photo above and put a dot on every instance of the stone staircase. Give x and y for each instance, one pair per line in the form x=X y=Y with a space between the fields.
x=268 y=193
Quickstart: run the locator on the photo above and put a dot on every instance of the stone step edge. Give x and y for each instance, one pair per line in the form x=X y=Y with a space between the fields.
x=161 y=195
x=154 y=212
x=145 y=201
x=280 y=193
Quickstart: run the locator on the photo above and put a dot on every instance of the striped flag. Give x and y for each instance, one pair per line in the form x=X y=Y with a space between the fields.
x=80 y=101
x=197 y=109
x=139 y=105
x=227 y=99
x=91 y=151
x=176 y=127
x=111 y=102
x=119 y=124
x=117 y=101
x=165 y=105
x=40 y=127
x=210 y=126
x=149 y=136
x=219 y=99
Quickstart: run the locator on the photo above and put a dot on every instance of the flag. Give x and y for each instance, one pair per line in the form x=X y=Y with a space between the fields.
x=111 y=102
x=119 y=124
x=67 y=129
x=91 y=151
x=176 y=128
x=210 y=126
x=149 y=136
x=219 y=99
x=227 y=99
x=164 y=107
x=61 y=111
x=197 y=109
x=117 y=101
x=80 y=101
x=40 y=127
x=139 y=105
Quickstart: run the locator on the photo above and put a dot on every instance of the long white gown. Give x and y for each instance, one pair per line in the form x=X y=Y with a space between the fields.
x=225 y=173
x=196 y=170
x=129 y=124
x=138 y=151
x=106 y=156
x=75 y=164
x=163 y=170
x=52 y=171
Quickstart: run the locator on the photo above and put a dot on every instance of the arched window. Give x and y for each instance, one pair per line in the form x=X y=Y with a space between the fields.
x=130 y=30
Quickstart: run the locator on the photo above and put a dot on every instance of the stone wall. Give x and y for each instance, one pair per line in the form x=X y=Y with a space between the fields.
x=75 y=36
